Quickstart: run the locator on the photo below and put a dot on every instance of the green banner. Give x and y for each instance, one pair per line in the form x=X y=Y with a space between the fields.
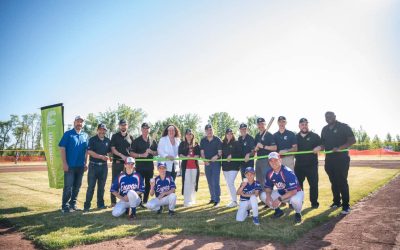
x=52 y=132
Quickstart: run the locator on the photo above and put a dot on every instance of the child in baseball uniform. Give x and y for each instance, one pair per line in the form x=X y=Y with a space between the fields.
x=163 y=187
x=127 y=187
x=248 y=191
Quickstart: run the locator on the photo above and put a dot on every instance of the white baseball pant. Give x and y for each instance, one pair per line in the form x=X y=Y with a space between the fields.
x=155 y=203
x=246 y=205
x=190 y=186
x=121 y=206
x=296 y=200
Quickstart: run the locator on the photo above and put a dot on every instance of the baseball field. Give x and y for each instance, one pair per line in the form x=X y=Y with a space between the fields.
x=27 y=203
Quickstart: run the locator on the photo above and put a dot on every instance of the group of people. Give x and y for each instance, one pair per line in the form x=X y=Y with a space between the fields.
x=276 y=176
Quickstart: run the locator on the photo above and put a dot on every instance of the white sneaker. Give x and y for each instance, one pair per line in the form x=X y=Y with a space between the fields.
x=232 y=204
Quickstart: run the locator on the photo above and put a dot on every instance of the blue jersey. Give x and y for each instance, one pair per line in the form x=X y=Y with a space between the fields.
x=250 y=189
x=75 y=147
x=162 y=186
x=285 y=180
x=125 y=182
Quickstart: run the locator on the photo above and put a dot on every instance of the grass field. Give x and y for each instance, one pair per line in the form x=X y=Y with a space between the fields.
x=27 y=202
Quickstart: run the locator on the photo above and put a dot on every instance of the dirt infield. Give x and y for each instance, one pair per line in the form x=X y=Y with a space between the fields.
x=374 y=223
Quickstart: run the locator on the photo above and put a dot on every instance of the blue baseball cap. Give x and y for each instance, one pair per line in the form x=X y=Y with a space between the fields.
x=161 y=164
x=249 y=170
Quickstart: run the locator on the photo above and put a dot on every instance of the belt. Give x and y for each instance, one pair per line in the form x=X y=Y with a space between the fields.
x=98 y=163
x=118 y=161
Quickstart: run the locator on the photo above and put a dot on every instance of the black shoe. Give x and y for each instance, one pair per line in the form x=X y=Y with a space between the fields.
x=248 y=213
x=132 y=216
x=171 y=213
x=141 y=205
x=291 y=206
x=266 y=207
x=66 y=210
x=278 y=213
x=211 y=202
x=86 y=210
x=102 y=207
x=335 y=205
x=216 y=204
x=315 y=206
x=127 y=211
x=159 y=211
x=297 y=218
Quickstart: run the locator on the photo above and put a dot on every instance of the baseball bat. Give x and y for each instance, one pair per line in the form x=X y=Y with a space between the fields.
x=268 y=126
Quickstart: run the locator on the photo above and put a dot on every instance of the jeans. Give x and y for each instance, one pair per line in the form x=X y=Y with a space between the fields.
x=72 y=184
x=213 y=171
x=116 y=170
x=97 y=173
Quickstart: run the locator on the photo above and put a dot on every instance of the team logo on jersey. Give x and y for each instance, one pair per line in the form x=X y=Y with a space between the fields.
x=285 y=137
x=335 y=131
x=280 y=185
x=245 y=144
x=308 y=139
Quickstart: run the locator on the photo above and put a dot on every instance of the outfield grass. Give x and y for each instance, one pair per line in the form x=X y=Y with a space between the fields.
x=27 y=202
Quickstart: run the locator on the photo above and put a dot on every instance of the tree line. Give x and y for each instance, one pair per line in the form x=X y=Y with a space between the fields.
x=24 y=132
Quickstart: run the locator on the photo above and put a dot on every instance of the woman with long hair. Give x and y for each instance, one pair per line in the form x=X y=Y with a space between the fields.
x=231 y=149
x=168 y=148
x=190 y=168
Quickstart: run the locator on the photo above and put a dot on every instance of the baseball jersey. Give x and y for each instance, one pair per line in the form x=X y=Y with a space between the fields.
x=285 y=180
x=162 y=186
x=125 y=182
x=250 y=189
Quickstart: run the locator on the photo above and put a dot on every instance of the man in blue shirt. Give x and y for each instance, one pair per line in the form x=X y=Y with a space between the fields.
x=211 y=149
x=287 y=188
x=286 y=142
x=73 y=148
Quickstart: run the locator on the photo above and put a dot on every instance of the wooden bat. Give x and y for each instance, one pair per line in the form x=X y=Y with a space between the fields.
x=268 y=126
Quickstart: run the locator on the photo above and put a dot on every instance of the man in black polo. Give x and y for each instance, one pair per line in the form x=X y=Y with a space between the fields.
x=121 y=143
x=285 y=142
x=337 y=136
x=306 y=165
x=247 y=144
x=144 y=147
x=98 y=149
x=265 y=144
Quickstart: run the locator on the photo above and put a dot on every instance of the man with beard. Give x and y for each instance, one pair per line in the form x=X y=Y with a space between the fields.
x=307 y=164
x=120 y=145
x=73 y=149
x=144 y=147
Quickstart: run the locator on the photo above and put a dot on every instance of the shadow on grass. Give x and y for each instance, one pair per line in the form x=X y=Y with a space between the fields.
x=13 y=210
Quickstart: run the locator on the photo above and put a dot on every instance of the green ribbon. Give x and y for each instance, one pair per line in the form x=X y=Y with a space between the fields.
x=236 y=159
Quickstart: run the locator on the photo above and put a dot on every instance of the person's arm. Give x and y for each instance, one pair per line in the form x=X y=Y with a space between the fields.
x=350 y=139
x=97 y=156
x=239 y=191
x=115 y=152
x=122 y=198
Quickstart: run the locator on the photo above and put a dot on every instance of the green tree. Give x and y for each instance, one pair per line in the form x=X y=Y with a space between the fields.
x=376 y=142
x=133 y=116
x=109 y=118
x=252 y=125
x=5 y=128
x=221 y=121
x=91 y=123
x=362 y=138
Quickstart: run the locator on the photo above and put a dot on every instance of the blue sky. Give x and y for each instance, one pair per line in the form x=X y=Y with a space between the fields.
x=261 y=57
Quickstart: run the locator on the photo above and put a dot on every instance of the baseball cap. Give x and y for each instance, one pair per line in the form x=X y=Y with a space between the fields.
x=249 y=170
x=260 y=119
x=281 y=118
x=188 y=131
x=228 y=130
x=207 y=126
x=161 y=165
x=130 y=160
x=303 y=120
x=243 y=125
x=102 y=125
x=122 y=122
x=273 y=155
x=78 y=117
x=145 y=125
